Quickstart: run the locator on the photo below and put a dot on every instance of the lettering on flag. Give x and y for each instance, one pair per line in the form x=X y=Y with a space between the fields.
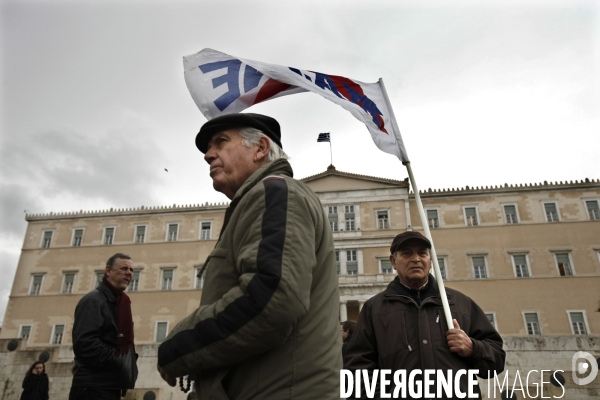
x=222 y=84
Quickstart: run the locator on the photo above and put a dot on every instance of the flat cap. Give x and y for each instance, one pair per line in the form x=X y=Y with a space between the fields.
x=406 y=236
x=269 y=126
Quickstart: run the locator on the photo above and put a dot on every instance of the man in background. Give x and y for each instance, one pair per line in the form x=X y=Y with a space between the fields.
x=347 y=329
x=403 y=327
x=105 y=358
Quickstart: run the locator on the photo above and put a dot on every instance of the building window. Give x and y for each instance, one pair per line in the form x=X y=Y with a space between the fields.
x=332 y=215
x=521 y=267
x=36 y=285
x=349 y=217
x=432 y=219
x=57 y=334
x=77 y=237
x=510 y=214
x=140 y=234
x=349 y=224
x=134 y=285
x=492 y=318
x=337 y=261
x=351 y=262
x=532 y=323
x=578 y=323
x=68 y=282
x=383 y=220
x=334 y=226
x=471 y=216
x=479 y=269
x=199 y=281
x=551 y=211
x=46 y=239
x=99 y=278
x=167 y=279
x=172 y=232
x=25 y=332
x=161 y=331
x=442 y=264
x=109 y=234
x=205 y=229
x=385 y=266
x=563 y=263
x=593 y=210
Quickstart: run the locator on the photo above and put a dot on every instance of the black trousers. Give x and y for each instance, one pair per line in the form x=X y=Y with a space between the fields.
x=94 y=393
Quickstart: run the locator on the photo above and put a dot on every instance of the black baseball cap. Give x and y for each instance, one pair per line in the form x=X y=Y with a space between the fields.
x=406 y=236
x=269 y=126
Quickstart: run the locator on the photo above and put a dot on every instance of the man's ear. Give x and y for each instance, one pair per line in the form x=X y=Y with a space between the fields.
x=264 y=145
x=393 y=261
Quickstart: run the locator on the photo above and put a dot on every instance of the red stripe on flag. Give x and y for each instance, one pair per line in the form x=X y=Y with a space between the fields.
x=270 y=89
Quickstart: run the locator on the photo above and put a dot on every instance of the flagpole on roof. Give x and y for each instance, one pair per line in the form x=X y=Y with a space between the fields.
x=424 y=222
x=330 y=150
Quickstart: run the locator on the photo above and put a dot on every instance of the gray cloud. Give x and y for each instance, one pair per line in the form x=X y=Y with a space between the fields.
x=113 y=168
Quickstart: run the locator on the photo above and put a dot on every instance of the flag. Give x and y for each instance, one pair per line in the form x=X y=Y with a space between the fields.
x=324 y=137
x=222 y=84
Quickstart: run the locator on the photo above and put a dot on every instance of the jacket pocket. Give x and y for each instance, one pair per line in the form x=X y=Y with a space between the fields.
x=394 y=325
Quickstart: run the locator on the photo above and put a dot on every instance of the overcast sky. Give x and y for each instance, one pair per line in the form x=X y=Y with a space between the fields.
x=94 y=105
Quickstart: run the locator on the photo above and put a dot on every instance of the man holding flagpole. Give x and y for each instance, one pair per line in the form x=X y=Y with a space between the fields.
x=402 y=328
x=267 y=326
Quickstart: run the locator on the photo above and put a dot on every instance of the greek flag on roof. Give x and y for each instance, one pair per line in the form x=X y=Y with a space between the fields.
x=323 y=137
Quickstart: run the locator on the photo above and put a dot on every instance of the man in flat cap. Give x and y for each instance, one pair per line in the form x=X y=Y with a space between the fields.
x=267 y=326
x=404 y=328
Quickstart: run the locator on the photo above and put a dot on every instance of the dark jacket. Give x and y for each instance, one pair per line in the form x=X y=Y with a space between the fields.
x=345 y=346
x=35 y=387
x=393 y=332
x=95 y=341
x=267 y=326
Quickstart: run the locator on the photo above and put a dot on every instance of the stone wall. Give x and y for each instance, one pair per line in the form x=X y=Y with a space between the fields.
x=524 y=354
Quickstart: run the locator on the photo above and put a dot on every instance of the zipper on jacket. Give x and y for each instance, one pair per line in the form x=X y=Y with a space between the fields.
x=405 y=332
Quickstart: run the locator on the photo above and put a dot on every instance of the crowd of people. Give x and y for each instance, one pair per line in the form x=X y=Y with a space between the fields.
x=268 y=322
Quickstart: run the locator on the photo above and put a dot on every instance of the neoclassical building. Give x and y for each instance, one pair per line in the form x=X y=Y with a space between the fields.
x=529 y=255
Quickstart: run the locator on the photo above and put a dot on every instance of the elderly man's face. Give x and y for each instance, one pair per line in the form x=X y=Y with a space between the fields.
x=231 y=163
x=412 y=263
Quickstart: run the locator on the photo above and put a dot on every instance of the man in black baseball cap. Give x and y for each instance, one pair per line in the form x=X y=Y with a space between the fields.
x=402 y=328
x=410 y=258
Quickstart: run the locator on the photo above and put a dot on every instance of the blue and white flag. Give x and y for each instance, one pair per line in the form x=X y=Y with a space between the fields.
x=222 y=84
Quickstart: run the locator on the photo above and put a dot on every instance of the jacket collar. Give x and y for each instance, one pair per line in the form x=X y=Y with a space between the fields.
x=106 y=292
x=277 y=167
x=395 y=288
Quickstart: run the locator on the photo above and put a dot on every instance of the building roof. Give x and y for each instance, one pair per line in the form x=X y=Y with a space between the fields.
x=332 y=171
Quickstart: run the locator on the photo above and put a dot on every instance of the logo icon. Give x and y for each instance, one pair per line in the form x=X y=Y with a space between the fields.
x=583 y=363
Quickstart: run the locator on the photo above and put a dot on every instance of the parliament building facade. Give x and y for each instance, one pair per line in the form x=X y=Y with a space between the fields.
x=529 y=255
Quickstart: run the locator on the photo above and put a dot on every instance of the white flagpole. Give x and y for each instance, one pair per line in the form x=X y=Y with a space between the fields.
x=436 y=267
